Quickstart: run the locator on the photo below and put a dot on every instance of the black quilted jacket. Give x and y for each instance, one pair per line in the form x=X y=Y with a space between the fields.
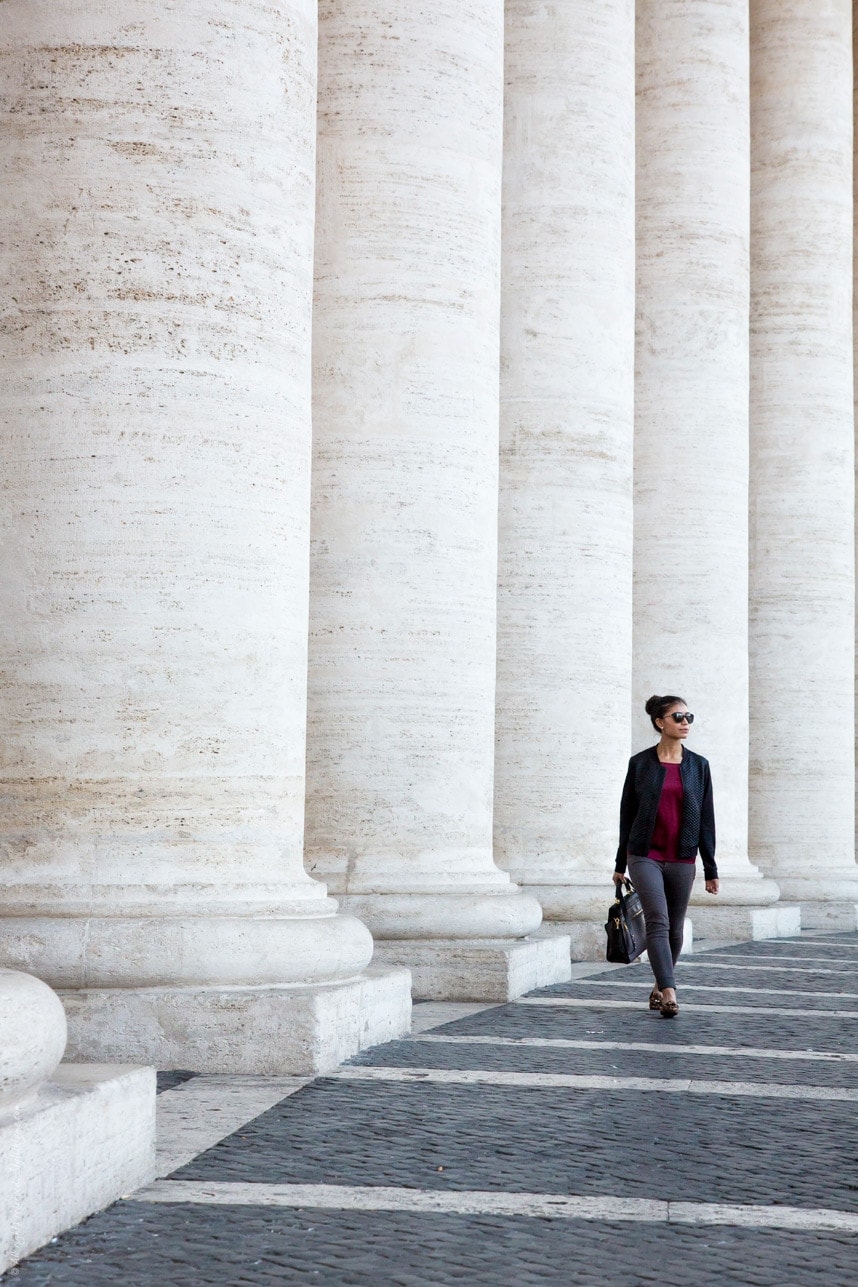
x=639 y=808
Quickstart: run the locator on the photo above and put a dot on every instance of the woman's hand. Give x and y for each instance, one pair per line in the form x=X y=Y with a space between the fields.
x=618 y=877
x=712 y=887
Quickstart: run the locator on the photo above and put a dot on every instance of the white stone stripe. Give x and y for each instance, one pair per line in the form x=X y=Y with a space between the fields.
x=554 y=1206
x=570 y=1081
x=768 y=969
x=608 y=1003
x=723 y=987
x=815 y=942
x=200 y=1113
x=749 y=956
x=564 y=1043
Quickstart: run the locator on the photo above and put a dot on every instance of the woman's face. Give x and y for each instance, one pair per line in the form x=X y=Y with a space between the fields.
x=669 y=727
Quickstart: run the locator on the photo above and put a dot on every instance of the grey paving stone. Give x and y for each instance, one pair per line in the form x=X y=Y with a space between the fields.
x=174 y=1077
x=718 y=1148
x=611 y=1063
x=134 y=1245
x=692 y=1027
x=701 y=993
x=690 y=1147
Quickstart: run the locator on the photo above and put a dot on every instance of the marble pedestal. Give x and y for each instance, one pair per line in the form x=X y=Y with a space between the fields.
x=86 y=1138
x=479 y=969
x=270 y=1030
x=830 y=916
x=781 y=920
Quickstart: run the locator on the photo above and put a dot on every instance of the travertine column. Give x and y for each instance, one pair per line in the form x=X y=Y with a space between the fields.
x=802 y=480
x=691 y=425
x=403 y=580
x=156 y=214
x=567 y=358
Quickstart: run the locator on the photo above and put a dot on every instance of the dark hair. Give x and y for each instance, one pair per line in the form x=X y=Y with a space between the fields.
x=657 y=708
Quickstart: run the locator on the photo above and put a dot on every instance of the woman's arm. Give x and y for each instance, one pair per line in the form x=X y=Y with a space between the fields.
x=707 y=829
x=628 y=812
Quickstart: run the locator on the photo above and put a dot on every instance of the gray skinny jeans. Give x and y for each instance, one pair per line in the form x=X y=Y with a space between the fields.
x=664 y=889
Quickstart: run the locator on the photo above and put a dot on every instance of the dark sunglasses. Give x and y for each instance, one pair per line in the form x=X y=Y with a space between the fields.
x=679 y=716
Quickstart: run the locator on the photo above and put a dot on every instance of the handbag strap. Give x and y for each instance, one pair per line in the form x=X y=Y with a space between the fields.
x=621 y=897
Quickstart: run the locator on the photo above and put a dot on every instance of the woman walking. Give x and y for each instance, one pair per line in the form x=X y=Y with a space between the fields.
x=666 y=816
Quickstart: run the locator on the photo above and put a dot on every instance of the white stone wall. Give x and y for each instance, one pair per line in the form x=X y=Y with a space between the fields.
x=567 y=360
x=802 y=448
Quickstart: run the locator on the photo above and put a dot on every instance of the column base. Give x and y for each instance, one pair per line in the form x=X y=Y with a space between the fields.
x=478 y=969
x=267 y=1030
x=829 y=916
x=86 y=1138
x=784 y=920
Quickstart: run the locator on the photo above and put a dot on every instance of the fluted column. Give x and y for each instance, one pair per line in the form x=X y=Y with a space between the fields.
x=156 y=215
x=802 y=453
x=691 y=448
x=567 y=357
x=404 y=554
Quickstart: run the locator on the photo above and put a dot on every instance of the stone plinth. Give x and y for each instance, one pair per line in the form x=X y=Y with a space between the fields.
x=782 y=920
x=479 y=969
x=270 y=1031
x=832 y=916
x=72 y=1138
x=85 y=1139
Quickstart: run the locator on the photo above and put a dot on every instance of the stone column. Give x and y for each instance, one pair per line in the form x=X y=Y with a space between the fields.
x=802 y=451
x=567 y=398
x=404 y=553
x=691 y=426
x=156 y=217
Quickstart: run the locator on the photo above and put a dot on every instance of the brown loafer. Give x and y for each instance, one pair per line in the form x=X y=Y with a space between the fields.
x=669 y=1009
x=655 y=999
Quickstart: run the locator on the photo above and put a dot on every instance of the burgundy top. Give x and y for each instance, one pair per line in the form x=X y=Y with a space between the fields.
x=665 y=835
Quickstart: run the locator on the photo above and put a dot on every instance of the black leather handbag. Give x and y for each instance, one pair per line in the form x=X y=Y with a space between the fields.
x=625 y=927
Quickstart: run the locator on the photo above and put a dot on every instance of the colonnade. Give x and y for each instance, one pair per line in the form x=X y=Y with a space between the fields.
x=350 y=343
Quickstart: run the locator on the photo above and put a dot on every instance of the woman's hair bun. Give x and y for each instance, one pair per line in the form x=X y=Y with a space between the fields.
x=657 y=707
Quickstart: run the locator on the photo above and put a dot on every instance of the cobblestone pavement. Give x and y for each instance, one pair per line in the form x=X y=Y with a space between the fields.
x=572 y=1137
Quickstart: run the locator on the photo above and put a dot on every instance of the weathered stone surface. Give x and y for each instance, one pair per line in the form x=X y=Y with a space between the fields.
x=404 y=529
x=691 y=397
x=156 y=225
x=266 y=1030
x=479 y=969
x=85 y=1139
x=32 y=1036
x=802 y=449
x=728 y=922
x=567 y=364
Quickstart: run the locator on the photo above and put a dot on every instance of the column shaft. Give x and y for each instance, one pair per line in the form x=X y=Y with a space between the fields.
x=404 y=549
x=567 y=359
x=156 y=215
x=802 y=453
x=691 y=448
